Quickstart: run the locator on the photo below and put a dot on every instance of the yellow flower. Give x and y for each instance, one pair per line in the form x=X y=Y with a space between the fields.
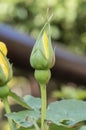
x=45 y=43
x=43 y=56
x=3 y=48
x=5 y=67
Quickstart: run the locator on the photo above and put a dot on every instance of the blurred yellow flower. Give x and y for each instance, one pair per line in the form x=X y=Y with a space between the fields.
x=5 y=66
x=3 y=48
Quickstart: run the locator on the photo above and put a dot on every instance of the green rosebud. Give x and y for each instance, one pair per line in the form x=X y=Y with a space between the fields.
x=43 y=56
x=5 y=66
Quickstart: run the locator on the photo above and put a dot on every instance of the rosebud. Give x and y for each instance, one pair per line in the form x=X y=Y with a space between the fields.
x=43 y=56
x=5 y=67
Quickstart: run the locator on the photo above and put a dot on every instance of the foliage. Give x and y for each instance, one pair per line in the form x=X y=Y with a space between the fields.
x=65 y=113
x=69 y=92
x=68 y=24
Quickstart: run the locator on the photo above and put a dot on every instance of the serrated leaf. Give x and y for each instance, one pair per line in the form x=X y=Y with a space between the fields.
x=67 y=112
x=25 y=118
x=33 y=102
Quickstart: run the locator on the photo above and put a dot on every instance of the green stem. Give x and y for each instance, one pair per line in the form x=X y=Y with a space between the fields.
x=19 y=100
x=36 y=125
x=43 y=107
x=8 y=110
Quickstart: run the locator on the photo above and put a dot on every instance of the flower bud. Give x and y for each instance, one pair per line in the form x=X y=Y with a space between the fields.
x=5 y=67
x=43 y=56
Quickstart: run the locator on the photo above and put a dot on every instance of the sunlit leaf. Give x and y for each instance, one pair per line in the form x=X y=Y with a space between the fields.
x=33 y=102
x=67 y=112
x=25 y=118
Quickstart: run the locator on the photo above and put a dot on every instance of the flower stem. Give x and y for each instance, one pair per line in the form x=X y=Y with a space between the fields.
x=36 y=125
x=8 y=110
x=43 y=107
x=19 y=100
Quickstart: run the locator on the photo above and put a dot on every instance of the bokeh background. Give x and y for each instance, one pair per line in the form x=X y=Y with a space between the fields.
x=68 y=24
x=68 y=29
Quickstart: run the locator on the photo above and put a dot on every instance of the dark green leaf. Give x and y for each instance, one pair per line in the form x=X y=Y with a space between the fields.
x=31 y=128
x=55 y=127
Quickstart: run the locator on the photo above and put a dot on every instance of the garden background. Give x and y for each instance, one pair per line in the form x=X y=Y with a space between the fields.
x=68 y=29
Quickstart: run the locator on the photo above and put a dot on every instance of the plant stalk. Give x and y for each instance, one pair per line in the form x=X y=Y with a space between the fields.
x=36 y=125
x=19 y=100
x=8 y=110
x=43 y=105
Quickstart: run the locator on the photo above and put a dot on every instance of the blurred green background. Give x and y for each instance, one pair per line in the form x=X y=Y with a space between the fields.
x=68 y=25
